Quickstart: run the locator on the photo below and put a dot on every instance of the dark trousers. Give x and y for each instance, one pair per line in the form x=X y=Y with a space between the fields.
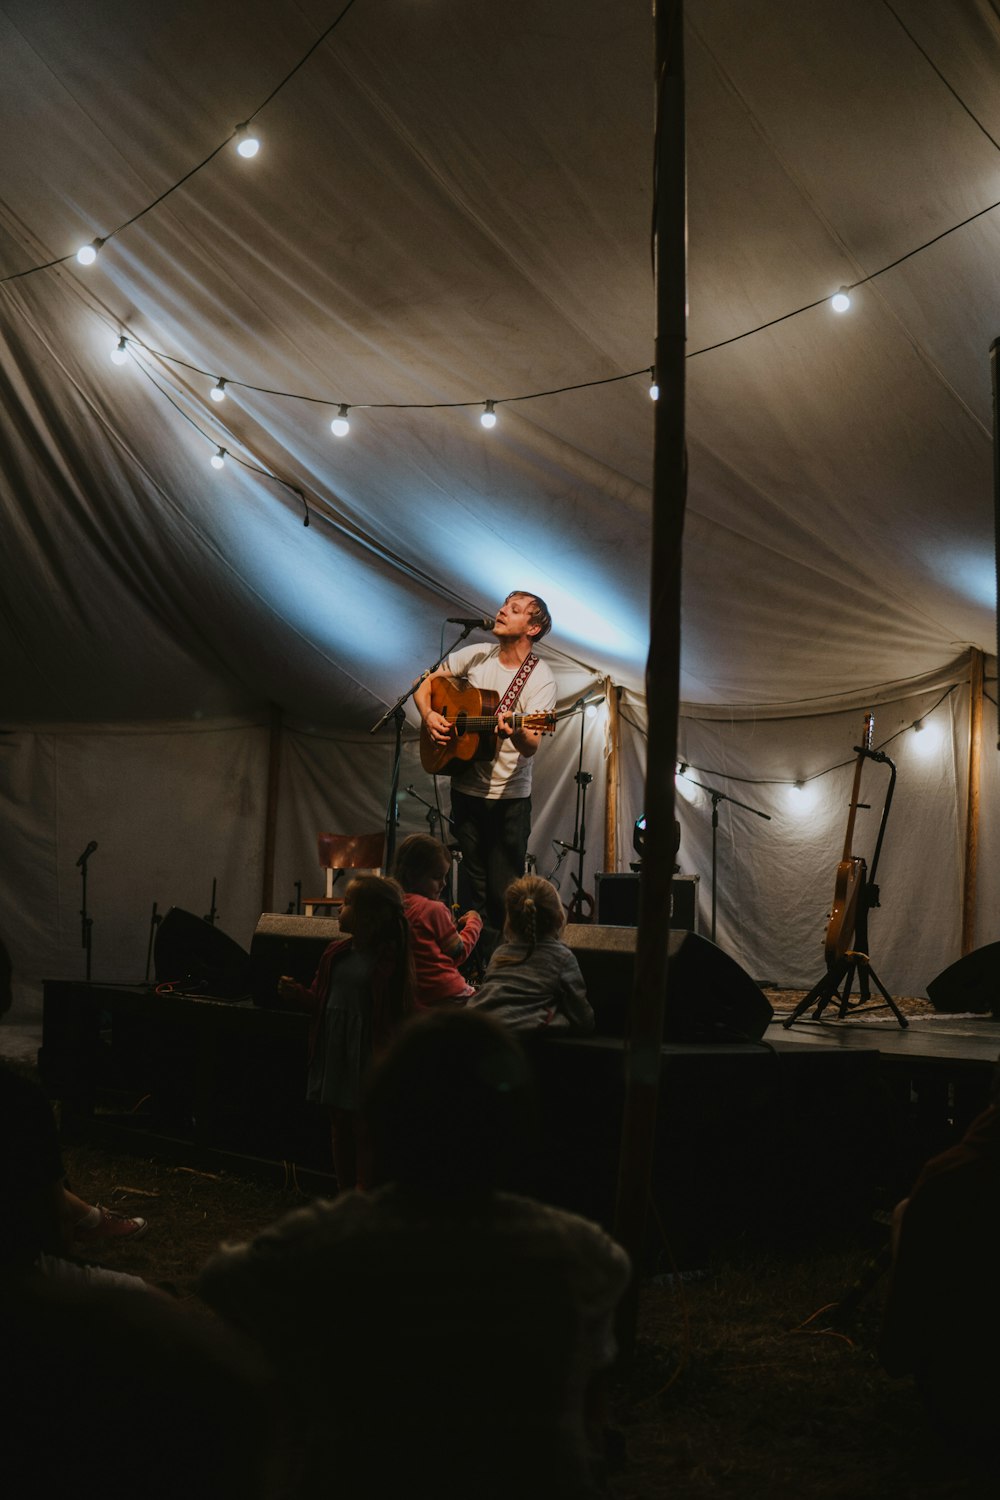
x=493 y=838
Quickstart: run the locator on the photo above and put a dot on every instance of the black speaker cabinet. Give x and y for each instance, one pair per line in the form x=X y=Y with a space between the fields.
x=712 y=998
x=287 y=945
x=198 y=958
x=970 y=984
x=618 y=901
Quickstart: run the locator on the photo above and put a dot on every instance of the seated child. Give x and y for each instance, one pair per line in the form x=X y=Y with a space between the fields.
x=533 y=981
x=439 y=945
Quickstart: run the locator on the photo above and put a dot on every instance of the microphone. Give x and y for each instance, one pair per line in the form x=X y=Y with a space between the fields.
x=87 y=853
x=484 y=622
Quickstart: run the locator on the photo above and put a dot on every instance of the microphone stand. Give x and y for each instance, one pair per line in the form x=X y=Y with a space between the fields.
x=579 y=845
x=718 y=797
x=434 y=816
x=154 y=922
x=87 y=922
x=396 y=713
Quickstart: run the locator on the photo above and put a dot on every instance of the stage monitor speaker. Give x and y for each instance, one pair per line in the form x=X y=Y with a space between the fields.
x=287 y=945
x=971 y=983
x=618 y=901
x=712 y=998
x=199 y=959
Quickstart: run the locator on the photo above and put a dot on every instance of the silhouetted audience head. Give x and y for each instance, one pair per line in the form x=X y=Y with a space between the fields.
x=106 y=1388
x=449 y=1109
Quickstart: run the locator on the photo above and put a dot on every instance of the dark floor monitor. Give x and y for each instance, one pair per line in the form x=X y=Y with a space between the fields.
x=711 y=997
x=199 y=959
x=286 y=944
x=972 y=983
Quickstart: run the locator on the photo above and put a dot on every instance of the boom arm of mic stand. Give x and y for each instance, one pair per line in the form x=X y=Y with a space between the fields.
x=429 y=671
x=396 y=712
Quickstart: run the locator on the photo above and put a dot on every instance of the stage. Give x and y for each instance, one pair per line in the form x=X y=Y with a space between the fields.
x=800 y=1133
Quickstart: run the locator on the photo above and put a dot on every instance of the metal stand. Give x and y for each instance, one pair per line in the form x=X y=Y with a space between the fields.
x=580 y=898
x=86 y=921
x=855 y=963
x=396 y=713
x=434 y=817
x=154 y=921
x=718 y=797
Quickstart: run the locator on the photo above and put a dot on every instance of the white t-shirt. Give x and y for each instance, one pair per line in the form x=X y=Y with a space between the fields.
x=509 y=775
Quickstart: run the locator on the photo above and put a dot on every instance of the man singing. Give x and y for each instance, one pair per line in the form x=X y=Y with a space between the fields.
x=491 y=800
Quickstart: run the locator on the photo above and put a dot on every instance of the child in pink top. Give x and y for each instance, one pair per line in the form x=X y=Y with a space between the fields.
x=439 y=945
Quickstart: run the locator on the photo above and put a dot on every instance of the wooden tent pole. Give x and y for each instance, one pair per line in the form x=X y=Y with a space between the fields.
x=645 y=1031
x=611 y=778
x=972 y=800
x=271 y=810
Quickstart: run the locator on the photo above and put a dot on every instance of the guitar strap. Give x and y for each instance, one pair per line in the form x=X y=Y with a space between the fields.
x=521 y=676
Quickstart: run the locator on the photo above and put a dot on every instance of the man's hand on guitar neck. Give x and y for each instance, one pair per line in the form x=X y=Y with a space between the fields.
x=526 y=741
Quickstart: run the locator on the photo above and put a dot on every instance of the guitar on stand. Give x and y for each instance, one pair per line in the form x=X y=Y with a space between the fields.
x=846 y=944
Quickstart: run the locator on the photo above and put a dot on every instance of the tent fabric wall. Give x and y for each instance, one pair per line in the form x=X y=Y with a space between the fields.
x=452 y=204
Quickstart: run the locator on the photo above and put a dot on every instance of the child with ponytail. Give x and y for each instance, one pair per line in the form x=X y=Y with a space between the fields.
x=533 y=982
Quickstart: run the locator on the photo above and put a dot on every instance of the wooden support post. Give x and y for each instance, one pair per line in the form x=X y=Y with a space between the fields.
x=612 y=776
x=271 y=810
x=643 y=1047
x=972 y=800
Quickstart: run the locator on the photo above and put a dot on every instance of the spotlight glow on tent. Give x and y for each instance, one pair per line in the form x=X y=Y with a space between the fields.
x=340 y=426
x=840 y=301
x=802 y=796
x=247 y=143
x=927 y=738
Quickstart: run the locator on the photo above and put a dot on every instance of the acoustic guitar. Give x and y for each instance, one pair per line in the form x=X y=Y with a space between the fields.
x=850 y=871
x=472 y=713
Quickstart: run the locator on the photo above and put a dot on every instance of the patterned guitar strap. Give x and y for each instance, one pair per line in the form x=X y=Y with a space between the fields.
x=524 y=671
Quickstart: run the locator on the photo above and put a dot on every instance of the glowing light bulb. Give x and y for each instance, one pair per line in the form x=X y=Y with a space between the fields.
x=247 y=143
x=218 y=459
x=591 y=711
x=489 y=416
x=840 y=301
x=654 y=389
x=119 y=353
x=87 y=254
x=218 y=391
x=340 y=426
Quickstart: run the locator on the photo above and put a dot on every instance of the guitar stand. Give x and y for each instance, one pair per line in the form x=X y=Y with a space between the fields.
x=838 y=981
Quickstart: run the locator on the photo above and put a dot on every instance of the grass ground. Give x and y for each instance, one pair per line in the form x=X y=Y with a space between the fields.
x=731 y=1390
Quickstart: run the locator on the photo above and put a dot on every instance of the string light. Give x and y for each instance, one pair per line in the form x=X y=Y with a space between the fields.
x=340 y=426
x=489 y=416
x=247 y=143
x=87 y=254
x=654 y=389
x=218 y=391
x=119 y=353
x=218 y=459
x=840 y=301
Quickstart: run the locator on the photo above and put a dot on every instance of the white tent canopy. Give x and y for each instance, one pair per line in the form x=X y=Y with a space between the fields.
x=451 y=205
